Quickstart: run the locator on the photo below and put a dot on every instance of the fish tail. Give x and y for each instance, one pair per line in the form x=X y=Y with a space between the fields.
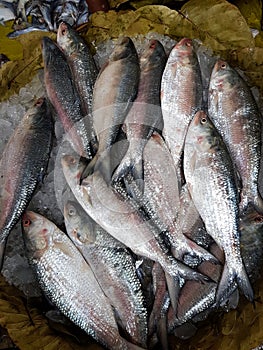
x=229 y=276
x=101 y=164
x=134 y=167
x=194 y=249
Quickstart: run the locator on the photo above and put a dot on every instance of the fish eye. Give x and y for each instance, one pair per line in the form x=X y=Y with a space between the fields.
x=72 y=211
x=223 y=66
x=203 y=120
x=26 y=222
x=258 y=219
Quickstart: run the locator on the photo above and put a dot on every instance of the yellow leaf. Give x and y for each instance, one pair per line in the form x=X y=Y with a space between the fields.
x=252 y=12
x=220 y=24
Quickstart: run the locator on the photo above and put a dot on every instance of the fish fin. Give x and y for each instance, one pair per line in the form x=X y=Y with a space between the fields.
x=131 y=166
x=200 y=252
x=229 y=276
x=174 y=287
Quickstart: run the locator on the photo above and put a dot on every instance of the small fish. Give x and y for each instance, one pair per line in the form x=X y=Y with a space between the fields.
x=234 y=112
x=23 y=165
x=114 y=90
x=210 y=177
x=120 y=219
x=69 y=282
x=63 y=95
x=145 y=115
x=114 y=269
x=83 y=69
x=181 y=95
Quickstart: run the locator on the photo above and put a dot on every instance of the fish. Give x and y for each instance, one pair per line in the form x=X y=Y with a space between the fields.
x=210 y=177
x=145 y=115
x=113 y=266
x=68 y=281
x=64 y=97
x=23 y=165
x=120 y=219
x=197 y=301
x=234 y=111
x=84 y=71
x=181 y=95
x=114 y=91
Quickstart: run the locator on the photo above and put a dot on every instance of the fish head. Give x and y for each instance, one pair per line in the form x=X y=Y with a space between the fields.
x=37 y=232
x=201 y=132
x=223 y=76
x=79 y=225
x=49 y=50
x=67 y=38
x=73 y=167
x=153 y=55
x=123 y=49
x=182 y=52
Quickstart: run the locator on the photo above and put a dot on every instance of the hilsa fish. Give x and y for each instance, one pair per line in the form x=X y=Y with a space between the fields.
x=210 y=177
x=114 y=90
x=64 y=97
x=84 y=71
x=181 y=95
x=68 y=281
x=145 y=115
x=23 y=165
x=120 y=219
x=114 y=268
x=234 y=112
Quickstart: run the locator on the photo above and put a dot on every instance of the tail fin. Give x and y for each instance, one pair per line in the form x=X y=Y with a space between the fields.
x=102 y=164
x=133 y=166
x=228 y=278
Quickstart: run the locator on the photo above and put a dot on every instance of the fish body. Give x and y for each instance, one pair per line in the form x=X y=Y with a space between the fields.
x=120 y=219
x=83 y=69
x=114 y=90
x=210 y=178
x=63 y=95
x=145 y=115
x=234 y=112
x=181 y=95
x=114 y=269
x=68 y=280
x=23 y=164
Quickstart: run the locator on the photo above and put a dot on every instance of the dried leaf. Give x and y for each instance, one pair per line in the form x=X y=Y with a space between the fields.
x=220 y=24
x=17 y=73
x=251 y=11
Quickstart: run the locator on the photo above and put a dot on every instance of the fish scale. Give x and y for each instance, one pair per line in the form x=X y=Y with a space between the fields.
x=210 y=177
x=114 y=269
x=23 y=163
x=69 y=282
x=235 y=114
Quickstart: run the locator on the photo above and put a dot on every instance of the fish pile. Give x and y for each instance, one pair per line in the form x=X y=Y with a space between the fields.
x=160 y=195
x=32 y=15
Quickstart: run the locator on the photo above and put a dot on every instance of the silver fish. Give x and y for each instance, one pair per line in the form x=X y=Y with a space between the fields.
x=234 y=112
x=83 y=69
x=63 y=95
x=114 y=269
x=210 y=177
x=181 y=95
x=114 y=90
x=23 y=164
x=145 y=115
x=69 y=282
x=120 y=219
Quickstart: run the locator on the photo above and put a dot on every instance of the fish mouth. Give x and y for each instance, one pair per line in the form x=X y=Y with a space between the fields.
x=186 y=42
x=62 y=29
